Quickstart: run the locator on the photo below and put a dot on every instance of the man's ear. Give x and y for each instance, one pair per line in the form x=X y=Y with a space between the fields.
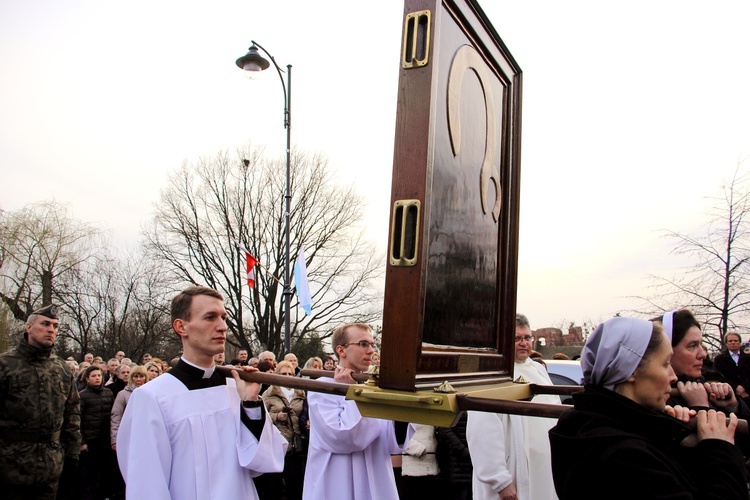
x=340 y=351
x=179 y=327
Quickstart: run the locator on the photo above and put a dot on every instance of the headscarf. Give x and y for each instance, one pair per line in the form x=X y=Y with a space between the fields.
x=668 y=322
x=614 y=351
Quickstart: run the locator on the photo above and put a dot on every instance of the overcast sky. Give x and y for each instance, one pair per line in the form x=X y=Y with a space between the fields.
x=633 y=113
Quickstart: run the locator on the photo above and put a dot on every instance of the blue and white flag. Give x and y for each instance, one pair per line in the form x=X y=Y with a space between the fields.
x=300 y=282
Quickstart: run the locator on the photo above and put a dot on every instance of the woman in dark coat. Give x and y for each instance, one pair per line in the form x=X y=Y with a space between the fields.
x=621 y=442
x=97 y=459
x=694 y=387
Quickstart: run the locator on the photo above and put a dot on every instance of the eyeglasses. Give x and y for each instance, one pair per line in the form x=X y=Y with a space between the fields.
x=525 y=338
x=362 y=343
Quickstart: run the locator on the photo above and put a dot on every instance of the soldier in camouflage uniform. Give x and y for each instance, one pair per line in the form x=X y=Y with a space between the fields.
x=39 y=413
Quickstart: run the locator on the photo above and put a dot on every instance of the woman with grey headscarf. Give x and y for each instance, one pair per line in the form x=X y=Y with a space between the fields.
x=620 y=441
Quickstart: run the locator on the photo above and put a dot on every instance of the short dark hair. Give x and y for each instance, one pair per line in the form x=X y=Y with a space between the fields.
x=90 y=369
x=181 y=303
x=265 y=365
x=726 y=336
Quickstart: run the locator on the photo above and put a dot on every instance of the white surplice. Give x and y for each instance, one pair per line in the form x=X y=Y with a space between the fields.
x=512 y=448
x=174 y=443
x=350 y=455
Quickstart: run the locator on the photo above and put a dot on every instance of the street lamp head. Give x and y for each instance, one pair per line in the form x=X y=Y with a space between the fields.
x=253 y=61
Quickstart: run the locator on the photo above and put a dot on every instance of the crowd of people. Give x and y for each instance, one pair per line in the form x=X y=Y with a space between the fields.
x=105 y=389
x=121 y=429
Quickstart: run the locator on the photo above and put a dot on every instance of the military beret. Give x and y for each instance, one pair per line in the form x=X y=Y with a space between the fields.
x=49 y=311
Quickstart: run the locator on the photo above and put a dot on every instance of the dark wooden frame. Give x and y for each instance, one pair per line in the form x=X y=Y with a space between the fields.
x=408 y=362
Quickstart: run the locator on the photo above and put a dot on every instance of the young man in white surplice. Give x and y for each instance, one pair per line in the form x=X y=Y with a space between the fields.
x=176 y=436
x=350 y=455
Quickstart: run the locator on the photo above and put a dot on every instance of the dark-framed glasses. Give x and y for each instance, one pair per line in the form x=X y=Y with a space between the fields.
x=525 y=338
x=364 y=344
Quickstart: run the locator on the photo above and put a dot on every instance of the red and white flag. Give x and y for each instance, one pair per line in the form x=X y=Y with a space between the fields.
x=251 y=261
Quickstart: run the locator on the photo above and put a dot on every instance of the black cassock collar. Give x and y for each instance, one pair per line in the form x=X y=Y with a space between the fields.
x=193 y=379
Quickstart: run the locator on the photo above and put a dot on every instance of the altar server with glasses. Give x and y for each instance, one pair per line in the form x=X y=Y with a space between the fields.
x=350 y=455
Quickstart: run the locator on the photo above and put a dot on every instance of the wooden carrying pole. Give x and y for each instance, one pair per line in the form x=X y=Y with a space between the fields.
x=305 y=384
x=526 y=408
x=464 y=402
x=359 y=377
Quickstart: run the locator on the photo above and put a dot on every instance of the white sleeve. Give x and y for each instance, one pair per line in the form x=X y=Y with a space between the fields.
x=485 y=434
x=419 y=441
x=389 y=426
x=264 y=456
x=143 y=449
x=340 y=428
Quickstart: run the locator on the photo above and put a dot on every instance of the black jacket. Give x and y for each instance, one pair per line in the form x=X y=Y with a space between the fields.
x=609 y=446
x=735 y=373
x=453 y=452
x=116 y=386
x=96 y=405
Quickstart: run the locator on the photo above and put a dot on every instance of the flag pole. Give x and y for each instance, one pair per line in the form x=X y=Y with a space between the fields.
x=244 y=249
x=268 y=272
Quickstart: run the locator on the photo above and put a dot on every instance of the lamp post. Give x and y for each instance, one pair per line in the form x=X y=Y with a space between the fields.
x=254 y=62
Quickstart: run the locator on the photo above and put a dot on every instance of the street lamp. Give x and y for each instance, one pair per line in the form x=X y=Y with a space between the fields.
x=254 y=62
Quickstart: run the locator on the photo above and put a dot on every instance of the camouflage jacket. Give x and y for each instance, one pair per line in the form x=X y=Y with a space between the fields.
x=38 y=402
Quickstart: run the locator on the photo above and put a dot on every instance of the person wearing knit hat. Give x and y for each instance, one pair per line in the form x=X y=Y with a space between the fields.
x=621 y=441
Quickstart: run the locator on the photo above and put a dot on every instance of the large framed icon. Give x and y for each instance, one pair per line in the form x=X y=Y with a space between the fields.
x=451 y=276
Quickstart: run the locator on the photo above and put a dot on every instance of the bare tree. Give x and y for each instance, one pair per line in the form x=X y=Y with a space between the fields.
x=715 y=285
x=138 y=321
x=108 y=303
x=208 y=206
x=39 y=245
x=118 y=304
x=85 y=291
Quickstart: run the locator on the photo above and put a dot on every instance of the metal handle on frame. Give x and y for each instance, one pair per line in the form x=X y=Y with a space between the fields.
x=416 y=46
x=404 y=233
